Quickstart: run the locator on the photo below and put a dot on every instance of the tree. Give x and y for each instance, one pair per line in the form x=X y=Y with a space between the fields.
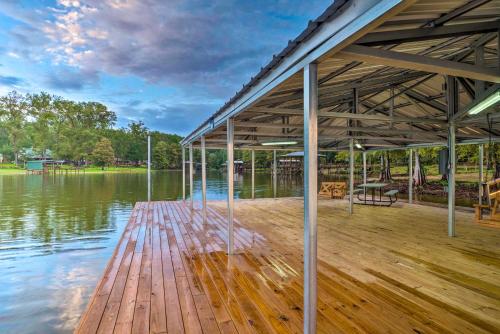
x=78 y=126
x=160 y=160
x=103 y=153
x=385 y=167
x=167 y=155
x=13 y=112
x=419 y=178
x=70 y=130
x=174 y=155
x=41 y=130
x=138 y=142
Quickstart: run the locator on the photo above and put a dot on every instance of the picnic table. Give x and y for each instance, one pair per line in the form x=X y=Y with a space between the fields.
x=372 y=187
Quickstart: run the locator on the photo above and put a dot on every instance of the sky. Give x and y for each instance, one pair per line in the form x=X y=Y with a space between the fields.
x=168 y=63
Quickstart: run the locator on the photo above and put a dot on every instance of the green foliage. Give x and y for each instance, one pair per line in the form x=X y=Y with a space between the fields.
x=167 y=155
x=103 y=154
x=13 y=115
x=160 y=158
x=70 y=130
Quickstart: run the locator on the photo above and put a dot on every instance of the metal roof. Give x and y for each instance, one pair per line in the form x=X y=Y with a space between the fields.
x=398 y=104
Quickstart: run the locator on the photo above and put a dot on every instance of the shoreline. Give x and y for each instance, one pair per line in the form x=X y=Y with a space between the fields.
x=92 y=170
x=89 y=170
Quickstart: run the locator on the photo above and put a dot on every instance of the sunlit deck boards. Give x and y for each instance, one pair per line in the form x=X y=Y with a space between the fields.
x=381 y=270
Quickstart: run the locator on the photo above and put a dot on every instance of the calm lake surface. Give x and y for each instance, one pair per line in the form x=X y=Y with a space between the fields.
x=58 y=232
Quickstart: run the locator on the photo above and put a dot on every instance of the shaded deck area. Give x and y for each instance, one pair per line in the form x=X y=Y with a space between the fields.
x=381 y=270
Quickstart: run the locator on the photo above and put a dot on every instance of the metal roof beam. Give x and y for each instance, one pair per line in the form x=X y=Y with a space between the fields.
x=418 y=63
x=379 y=83
x=383 y=118
x=424 y=100
x=420 y=34
x=387 y=131
x=457 y=12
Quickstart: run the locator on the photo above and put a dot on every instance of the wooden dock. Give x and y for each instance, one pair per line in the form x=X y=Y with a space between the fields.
x=380 y=270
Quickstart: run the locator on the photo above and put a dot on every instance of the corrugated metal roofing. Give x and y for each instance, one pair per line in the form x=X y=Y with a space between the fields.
x=338 y=77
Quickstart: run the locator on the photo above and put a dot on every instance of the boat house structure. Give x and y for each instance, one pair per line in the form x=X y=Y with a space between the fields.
x=365 y=75
x=372 y=74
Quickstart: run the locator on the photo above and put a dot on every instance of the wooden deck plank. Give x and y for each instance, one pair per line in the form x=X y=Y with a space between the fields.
x=158 y=321
x=127 y=306
x=190 y=316
x=89 y=323
x=172 y=303
x=110 y=315
x=380 y=270
x=140 y=323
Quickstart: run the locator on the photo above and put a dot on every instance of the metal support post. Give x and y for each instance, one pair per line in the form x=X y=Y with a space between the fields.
x=203 y=178
x=310 y=195
x=230 y=185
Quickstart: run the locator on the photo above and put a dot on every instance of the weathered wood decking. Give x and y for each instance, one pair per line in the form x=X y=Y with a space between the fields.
x=381 y=270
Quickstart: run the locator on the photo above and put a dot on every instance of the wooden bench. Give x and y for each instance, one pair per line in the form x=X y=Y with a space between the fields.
x=332 y=189
x=493 y=192
x=339 y=190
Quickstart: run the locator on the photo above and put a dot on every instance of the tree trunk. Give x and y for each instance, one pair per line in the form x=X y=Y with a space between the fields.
x=419 y=178
x=382 y=166
x=385 y=167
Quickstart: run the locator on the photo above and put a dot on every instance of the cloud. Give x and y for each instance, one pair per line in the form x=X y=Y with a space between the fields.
x=203 y=50
x=179 y=118
x=216 y=45
x=67 y=80
x=10 y=80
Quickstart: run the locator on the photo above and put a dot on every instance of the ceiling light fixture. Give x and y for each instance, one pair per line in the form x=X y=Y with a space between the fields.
x=486 y=103
x=279 y=143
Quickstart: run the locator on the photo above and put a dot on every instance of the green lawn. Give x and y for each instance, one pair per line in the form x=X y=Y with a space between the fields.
x=9 y=169
x=93 y=169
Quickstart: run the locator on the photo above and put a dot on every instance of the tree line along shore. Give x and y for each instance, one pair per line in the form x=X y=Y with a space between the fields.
x=34 y=126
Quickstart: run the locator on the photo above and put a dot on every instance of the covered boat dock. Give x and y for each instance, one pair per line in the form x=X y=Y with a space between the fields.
x=364 y=76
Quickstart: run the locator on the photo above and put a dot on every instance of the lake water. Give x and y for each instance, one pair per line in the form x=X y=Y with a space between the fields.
x=58 y=232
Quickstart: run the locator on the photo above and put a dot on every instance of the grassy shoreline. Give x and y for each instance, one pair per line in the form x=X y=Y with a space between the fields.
x=91 y=170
